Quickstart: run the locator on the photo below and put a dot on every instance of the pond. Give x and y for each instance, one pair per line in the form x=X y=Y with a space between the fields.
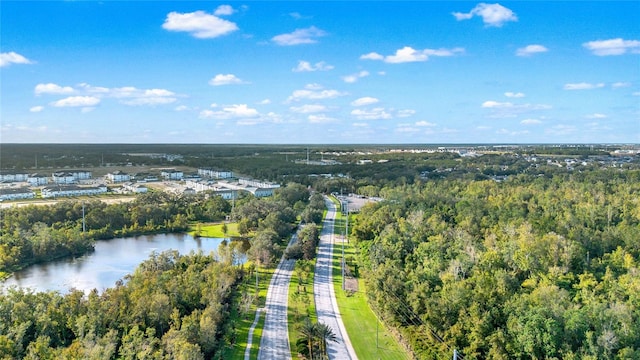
x=110 y=262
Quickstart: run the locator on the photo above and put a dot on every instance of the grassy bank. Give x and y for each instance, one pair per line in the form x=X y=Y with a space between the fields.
x=244 y=317
x=214 y=230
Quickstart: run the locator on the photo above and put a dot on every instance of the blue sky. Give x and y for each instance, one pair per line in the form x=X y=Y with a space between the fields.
x=320 y=72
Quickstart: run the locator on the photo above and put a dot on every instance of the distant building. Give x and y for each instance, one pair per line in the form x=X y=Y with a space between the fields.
x=16 y=193
x=118 y=176
x=12 y=176
x=37 y=179
x=216 y=174
x=188 y=191
x=53 y=191
x=172 y=174
x=229 y=190
x=63 y=178
x=135 y=188
x=80 y=174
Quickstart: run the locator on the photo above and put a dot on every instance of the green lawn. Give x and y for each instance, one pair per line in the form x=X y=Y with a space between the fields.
x=214 y=230
x=368 y=336
x=243 y=320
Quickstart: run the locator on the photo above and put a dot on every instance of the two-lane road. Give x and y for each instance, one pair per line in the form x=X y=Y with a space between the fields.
x=324 y=293
x=274 y=343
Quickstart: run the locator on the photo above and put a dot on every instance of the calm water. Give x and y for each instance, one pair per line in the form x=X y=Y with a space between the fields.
x=111 y=261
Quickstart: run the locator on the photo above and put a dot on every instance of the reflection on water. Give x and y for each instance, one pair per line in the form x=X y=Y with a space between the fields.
x=111 y=261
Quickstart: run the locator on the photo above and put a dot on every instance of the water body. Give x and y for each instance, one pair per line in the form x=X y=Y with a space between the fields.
x=111 y=261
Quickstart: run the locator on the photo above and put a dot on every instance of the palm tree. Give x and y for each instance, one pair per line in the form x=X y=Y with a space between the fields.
x=309 y=330
x=325 y=333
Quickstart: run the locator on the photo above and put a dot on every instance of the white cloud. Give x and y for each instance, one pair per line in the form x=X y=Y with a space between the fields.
x=508 y=109
x=225 y=79
x=264 y=102
x=362 y=125
x=583 y=86
x=510 y=94
x=51 y=88
x=492 y=14
x=224 y=10
x=36 y=109
x=409 y=54
x=231 y=112
x=314 y=94
x=496 y=104
x=199 y=24
x=372 y=114
x=299 y=36
x=85 y=110
x=618 y=85
x=307 y=66
x=133 y=96
x=596 y=116
x=530 y=122
x=425 y=124
x=321 y=119
x=405 y=113
x=149 y=100
x=77 y=101
x=616 y=46
x=354 y=77
x=308 y=108
x=530 y=50
x=8 y=58
x=363 y=101
x=371 y=56
x=181 y=108
x=314 y=86
x=636 y=93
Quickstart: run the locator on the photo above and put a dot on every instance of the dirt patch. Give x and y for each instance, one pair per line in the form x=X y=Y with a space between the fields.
x=351 y=284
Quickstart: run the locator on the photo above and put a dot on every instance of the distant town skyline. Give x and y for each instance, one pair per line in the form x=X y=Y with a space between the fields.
x=320 y=72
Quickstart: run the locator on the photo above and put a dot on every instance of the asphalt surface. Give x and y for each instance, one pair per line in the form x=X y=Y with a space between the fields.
x=274 y=343
x=324 y=293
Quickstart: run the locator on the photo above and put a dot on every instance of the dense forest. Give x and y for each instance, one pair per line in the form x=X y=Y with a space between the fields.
x=172 y=307
x=533 y=267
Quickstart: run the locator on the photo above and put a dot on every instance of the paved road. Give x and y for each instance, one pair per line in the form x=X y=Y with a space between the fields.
x=324 y=294
x=274 y=343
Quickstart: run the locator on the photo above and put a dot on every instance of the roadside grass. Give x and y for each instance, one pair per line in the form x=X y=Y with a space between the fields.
x=242 y=320
x=301 y=303
x=213 y=230
x=361 y=323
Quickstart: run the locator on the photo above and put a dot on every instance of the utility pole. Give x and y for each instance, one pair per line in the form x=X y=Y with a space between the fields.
x=346 y=234
x=83 y=222
x=455 y=354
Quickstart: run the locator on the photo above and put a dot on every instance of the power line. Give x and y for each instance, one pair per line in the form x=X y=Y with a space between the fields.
x=415 y=320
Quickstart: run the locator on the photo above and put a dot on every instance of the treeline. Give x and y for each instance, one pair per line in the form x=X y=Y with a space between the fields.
x=531 y=268
x=171 y=307
x=37 y=233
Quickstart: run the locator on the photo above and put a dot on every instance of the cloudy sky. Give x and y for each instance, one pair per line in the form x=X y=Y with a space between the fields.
x=320 y=72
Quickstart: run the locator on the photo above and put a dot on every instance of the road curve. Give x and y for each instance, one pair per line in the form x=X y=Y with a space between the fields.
x=324 y=293
x=274 y=343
